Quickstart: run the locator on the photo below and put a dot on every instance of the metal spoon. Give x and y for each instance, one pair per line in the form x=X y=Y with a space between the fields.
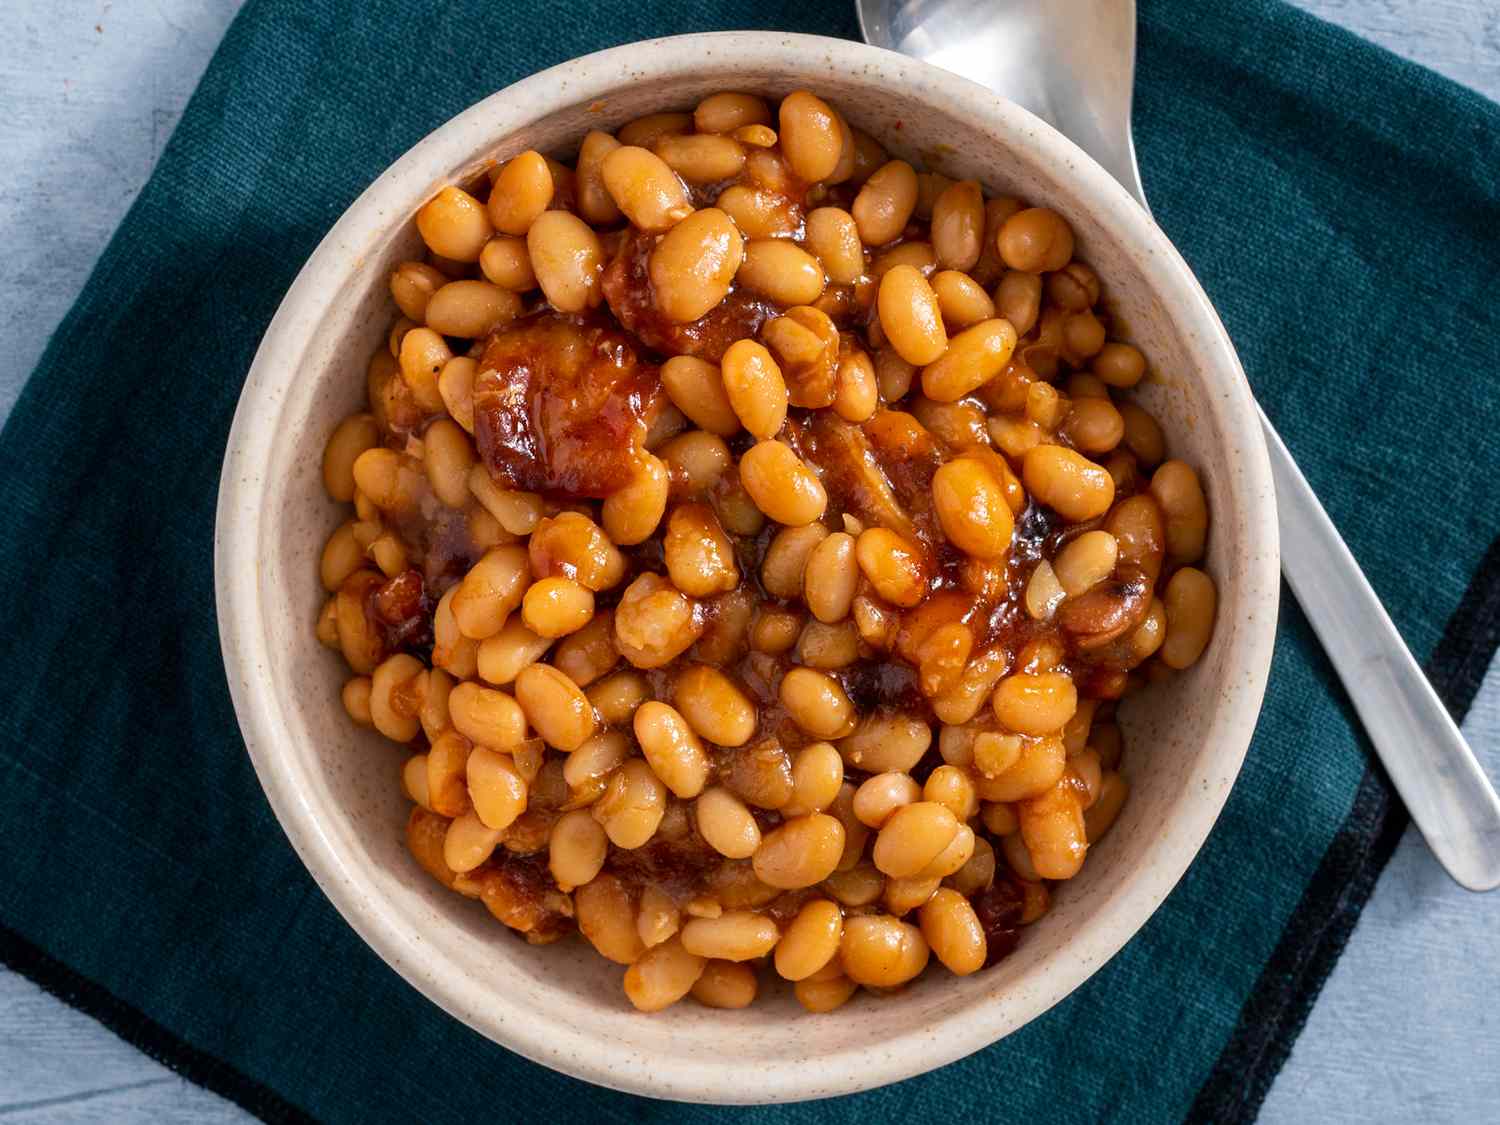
x=1072 y=63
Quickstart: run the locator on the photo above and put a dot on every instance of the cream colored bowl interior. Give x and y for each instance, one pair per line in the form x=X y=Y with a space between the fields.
x=335 y=789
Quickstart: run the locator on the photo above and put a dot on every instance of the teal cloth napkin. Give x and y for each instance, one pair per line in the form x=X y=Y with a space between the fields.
x=1341 y=207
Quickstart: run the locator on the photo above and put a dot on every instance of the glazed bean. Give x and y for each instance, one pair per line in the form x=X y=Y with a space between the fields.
x=701 y=158
x=1142 y=434
x=882 y=952
x=699 y=556
x=910 y=317
x=496 y=790
x=1000 y=819
x=1140 y=530
x=350 y=438
x=774 y=631
x=887 y=740
x=632 y=806
x=803 y=851
x=616 y=697
x=714 y=706
x=646 y=131
x=595 y=203
x=973 y=357
x=816 y=703
x=952 y=787
x=918 y=255
x=576 y=849
x=664 y=974
x=811 y=136
x=456 y=389
x=1067 y=481
x=833 y=235
x=1086 y=561
x=1018 y=298
x=1036 y=704
x=979 y=873
x=857 y=390
x=695 y=461
x=489 y=592
x=893 y=566
x=1190 y=600
x=568 y=260
x=1082 y=335
x=726 y=112
x=811 y=942
x=573 y=546
x=755 y=387
x=902 y=896
x=757 y=136
x=952 y=930
x=726 y=823
x=644 y=188
x=422 y=356
x=958 y=225
x=435 y=687
x=781 y=484
x=522 y=190
x=1052 y=828
x=881 y=795
x=1099 y=817
x=972 y=509
x=555 y=706
x=1119 y=364
x=817 y=776
x=697 y=389
x=736 y=935
x=725 y=984
x=606 y=917
x=1177 y=489
x=355 y=697
x=1036 y=240
x=390 y=682
x=757 y=212
x=634 y=512
x=555 y=607
x=412 y=285
x=830 y=578
x=655 y=622
x=454 y=224
x=486 y=717
x=961 y=300
x=885 y=203
x=342 y=556
x=1093 y=425
x=781 y=271
x=672 y=749
x=692 y=267
x=912 y=837
x=502 y=656
x=1083 y=385
x=451 y=650
x=468 y=842
x=506 y=262
x=1039 y=767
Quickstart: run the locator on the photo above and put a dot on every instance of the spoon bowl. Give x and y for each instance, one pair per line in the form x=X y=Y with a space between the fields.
x=1070 y=62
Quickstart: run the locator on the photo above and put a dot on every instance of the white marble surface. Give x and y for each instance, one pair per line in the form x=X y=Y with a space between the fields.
x=1406 y=1029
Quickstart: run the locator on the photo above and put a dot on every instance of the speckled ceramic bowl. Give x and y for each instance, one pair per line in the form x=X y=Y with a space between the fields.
x=335 y=788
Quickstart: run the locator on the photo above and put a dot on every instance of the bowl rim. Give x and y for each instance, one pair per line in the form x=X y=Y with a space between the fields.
x=243 y=508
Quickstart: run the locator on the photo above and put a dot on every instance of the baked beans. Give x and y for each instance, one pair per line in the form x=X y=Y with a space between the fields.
x=752 y=536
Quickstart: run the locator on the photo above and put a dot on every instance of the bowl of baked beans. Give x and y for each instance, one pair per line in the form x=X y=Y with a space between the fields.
x=746 y=567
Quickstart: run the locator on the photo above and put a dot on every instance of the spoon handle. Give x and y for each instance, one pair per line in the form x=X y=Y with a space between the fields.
x=1432 y=767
